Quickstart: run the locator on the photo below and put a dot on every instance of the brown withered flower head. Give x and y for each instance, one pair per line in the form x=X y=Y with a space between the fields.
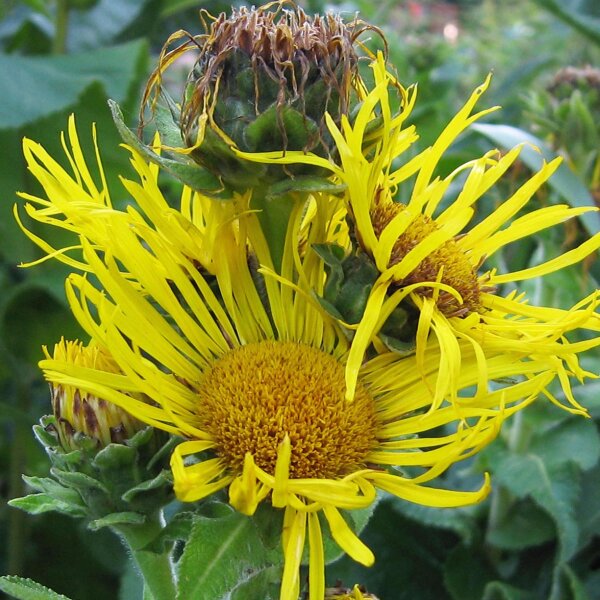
x=263 y=80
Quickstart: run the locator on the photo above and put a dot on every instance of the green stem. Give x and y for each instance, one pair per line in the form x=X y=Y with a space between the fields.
x=156 y=568
x=59 y=43
x=17 y=525
x=519 y=436
x=502 y=499
x=274 y=216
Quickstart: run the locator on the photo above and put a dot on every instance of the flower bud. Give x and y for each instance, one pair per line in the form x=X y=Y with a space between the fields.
x=79 y=413
x=263 y=81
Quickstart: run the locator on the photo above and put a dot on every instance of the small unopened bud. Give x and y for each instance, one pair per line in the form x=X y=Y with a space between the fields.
x=77 y=412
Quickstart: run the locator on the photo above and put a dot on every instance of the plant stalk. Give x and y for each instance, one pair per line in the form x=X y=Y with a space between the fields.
x=61 y=22
x=155 y=568
x=501 y=500
x=274 y=216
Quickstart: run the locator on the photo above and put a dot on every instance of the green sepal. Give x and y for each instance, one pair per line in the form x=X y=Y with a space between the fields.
x=397 y=345
x=212 y=156
x=400 y=323
x=54 y=489
x=305 y=184
x=162 y=479
x=350 y=280
x=78 y=481
x=115 y=457
x=166 y=119
x=36 y=504
x=328 y=307
x=264 y=134
x=183 y=169
x=43 y=436
x=131 y=477
x=27 y=589
x=498 y=590
x=118 y=518
x=140 y=438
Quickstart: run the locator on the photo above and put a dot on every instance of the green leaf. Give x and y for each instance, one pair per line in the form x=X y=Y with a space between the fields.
x=555 y=490
x=525 y=525
x=175 y=6
x=177 y=529
x=119 y=518
x=223 y=555
x=588 y=513
x=185 y=170
x=305 y=184
x=574 y=440
x=35 y=87
x=36 y=504
x=261 y=581
x=104 y=22
x=502 y=591
x=409 y=558
x=461 y=579
x=459 y=520
x=570 y=586
x=26 y=589
x=575 y=15
x=131 y=584
x=30 y=317
x=564 y=181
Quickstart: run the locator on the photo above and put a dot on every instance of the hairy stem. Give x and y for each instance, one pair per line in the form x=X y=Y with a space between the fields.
x=156 y=568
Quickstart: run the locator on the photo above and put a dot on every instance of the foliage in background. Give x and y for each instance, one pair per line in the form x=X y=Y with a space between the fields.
x=534 y=539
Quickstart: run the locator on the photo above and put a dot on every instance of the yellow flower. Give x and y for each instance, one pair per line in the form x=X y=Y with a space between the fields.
x=430 y=257
x=248 y=369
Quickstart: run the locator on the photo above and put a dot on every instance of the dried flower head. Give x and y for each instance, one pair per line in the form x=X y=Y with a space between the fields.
x=263 y=80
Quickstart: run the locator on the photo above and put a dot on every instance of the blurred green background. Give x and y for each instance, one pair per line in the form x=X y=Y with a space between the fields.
x=538 y=535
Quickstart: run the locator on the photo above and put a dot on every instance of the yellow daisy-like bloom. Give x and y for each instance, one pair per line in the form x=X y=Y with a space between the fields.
x=432 y=258
x=250 y=371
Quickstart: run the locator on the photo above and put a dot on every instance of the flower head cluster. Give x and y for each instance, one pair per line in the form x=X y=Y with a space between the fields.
x=428 y=257
x=277 y=398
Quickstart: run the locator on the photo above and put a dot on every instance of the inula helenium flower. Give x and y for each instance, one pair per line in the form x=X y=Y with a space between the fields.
x=428 y=260
x=248 y=368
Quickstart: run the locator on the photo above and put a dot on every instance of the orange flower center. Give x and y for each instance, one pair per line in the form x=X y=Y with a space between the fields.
x=256 y=394
x=457 y=270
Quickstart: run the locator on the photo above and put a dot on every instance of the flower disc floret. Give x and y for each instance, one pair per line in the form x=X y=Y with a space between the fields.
x=255 y=395
x=447 y=264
